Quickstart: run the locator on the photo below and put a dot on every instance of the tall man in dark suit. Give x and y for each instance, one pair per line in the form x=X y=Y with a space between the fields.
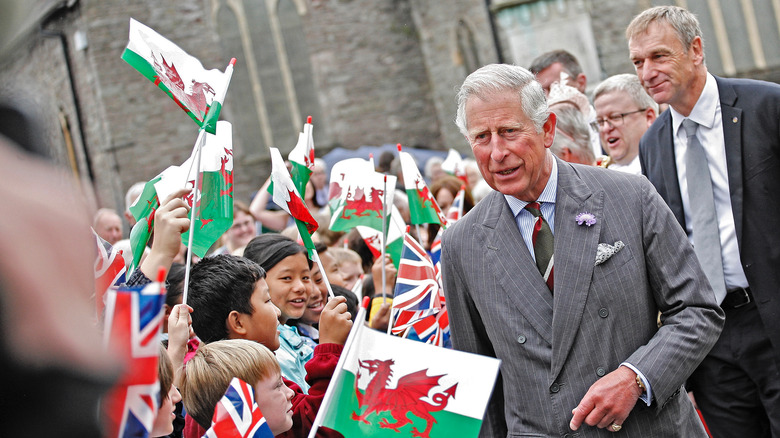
x=714 y=157
x=561 y=273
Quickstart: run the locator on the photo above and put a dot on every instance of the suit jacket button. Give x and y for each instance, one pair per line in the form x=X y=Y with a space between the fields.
x=603 y=312
x=521 y=339
x=601 y=372
x=555 y=388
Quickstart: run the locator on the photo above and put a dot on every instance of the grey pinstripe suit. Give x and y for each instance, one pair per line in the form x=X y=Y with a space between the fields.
x=552 y=350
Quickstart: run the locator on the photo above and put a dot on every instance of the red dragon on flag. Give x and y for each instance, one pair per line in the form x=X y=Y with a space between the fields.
x=406 y=398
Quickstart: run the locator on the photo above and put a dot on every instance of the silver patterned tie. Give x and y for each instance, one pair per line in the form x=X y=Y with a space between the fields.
x=706 y=235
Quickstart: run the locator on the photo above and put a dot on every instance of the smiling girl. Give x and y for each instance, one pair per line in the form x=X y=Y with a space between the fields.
x=289 y=282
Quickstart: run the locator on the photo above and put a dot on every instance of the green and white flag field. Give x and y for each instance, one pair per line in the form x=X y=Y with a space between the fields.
x=394 y=387
x=199 y=92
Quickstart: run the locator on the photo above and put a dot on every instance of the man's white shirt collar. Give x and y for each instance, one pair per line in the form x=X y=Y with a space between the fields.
x=705 y=110
x=548 y=194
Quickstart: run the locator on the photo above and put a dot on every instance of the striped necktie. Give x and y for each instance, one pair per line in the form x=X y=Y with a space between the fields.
x=704 y=220
x=543 y=244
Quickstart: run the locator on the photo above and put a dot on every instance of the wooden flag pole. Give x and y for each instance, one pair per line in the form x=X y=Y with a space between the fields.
x=193 y=213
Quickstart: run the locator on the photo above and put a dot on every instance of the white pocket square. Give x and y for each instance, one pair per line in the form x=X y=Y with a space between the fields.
x=605 y=251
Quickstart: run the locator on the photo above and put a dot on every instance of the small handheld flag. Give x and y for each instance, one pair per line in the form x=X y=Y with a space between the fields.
x=357 y=195
x=133 y=325
x=110 y=270
x=387 y=386
x=199 y=92
x=422 y=205
x=237 y=415
x=286 y=196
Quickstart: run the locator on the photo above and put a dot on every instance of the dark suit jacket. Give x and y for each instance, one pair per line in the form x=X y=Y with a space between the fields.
x=751 y=128
x=554 y=348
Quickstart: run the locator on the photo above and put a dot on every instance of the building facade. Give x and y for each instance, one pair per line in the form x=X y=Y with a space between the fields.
x=369 y=72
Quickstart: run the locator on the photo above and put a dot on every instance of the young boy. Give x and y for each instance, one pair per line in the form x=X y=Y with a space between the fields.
x=209 y=372
x=230 y=299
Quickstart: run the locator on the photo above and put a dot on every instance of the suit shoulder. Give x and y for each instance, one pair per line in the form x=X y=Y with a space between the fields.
x=748 y=85
x=662 y=121
x=474 y=216
x=610 y=181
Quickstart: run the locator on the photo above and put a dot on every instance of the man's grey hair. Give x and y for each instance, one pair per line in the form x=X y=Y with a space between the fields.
x=629 y=84
x=566 y=59
x=504 y=78
x=571 y=132
x=684 y=23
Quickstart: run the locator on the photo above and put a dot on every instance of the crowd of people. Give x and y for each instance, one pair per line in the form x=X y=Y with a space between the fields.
x=619 y=256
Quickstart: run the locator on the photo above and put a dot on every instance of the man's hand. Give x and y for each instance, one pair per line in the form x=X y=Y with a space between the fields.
x=608 y=401
x=335 y=321
x=170 y=222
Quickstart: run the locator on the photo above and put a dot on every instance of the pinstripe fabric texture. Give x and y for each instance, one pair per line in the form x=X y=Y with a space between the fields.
x=554 y=348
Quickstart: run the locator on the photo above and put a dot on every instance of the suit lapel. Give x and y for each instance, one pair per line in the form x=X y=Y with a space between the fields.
x=575 y=254
x=515 y=269
x=732 y=129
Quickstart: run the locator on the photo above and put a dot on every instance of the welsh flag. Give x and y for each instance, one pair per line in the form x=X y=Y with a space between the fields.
x=302 y=157
x=197 y=91
x=453 y=165
x=422 y=204
x=286 y=196
x=133 y=325
x=340 y=175
x=357 y=195
x=109 y=270
x=395 y=237
x=214 y=197
x=389 y=385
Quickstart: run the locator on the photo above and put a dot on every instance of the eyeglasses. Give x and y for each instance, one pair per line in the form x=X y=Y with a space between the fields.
x=614 y=120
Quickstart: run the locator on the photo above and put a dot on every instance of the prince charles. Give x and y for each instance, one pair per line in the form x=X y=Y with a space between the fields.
x=561 y=271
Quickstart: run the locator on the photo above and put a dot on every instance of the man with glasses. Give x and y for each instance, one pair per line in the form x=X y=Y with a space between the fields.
x=624 y=111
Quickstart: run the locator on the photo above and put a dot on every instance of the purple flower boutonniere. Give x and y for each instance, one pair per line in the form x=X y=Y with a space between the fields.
x=585 y=218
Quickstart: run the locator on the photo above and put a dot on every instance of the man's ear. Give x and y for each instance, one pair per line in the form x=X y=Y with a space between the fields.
x=548 y=129
x=236 y=325
x=697 y=45
x=650 y=116
x=582 y=82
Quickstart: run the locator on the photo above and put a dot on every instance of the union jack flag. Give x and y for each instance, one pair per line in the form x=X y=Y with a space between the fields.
x=418 y=302
x=237 y=414
x=133 y=325
x=109 y=270
x=415 y=286
x=455 y=211
x=433 y=329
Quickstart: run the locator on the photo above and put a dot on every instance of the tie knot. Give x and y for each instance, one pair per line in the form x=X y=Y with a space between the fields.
x=534 y=208
x=690 y=127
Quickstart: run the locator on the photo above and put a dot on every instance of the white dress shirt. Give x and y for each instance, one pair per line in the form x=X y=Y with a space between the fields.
x=707 y=114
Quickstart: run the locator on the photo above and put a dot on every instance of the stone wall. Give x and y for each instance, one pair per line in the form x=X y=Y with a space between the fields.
x=381 y=71
x=369 y=69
